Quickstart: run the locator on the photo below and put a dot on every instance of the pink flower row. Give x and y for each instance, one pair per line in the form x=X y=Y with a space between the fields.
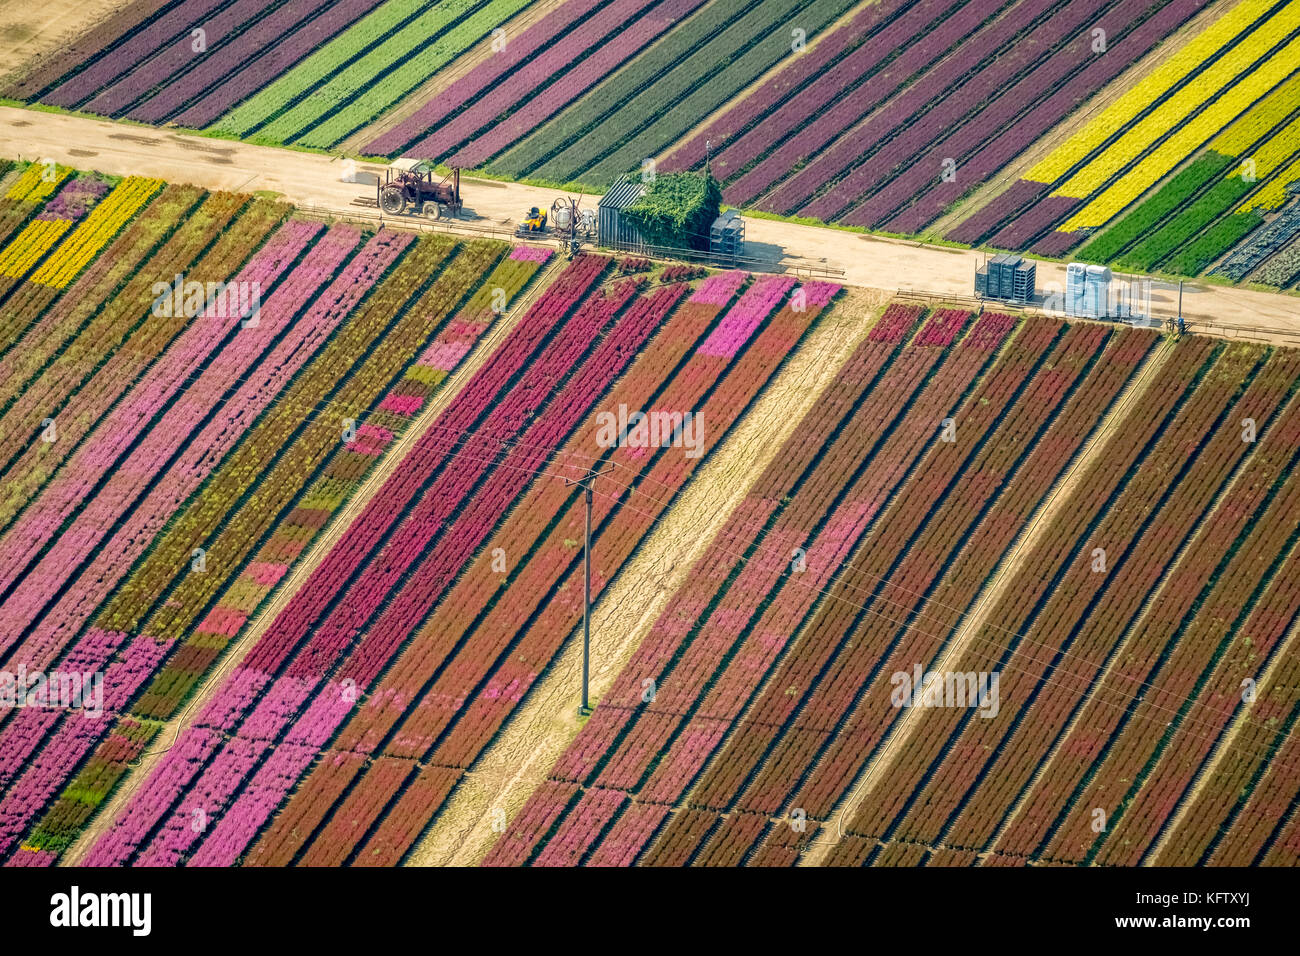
x=261 y=377
x=719 y=288
x=294 y=622
x=244 y=686
x=77 y=734
x=404 y=611
x=530 y=254
x=21 y=735
x=741 y=320
x=328 y=310
x=130 y=417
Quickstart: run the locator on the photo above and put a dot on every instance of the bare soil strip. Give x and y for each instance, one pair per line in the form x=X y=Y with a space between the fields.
x=302 y=571
x=1003 y=576
x=30 y=30
x=528 y=746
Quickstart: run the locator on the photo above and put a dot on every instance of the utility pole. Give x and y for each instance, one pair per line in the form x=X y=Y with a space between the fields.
x=586 y=482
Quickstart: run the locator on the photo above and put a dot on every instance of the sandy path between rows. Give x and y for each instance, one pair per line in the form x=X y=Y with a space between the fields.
x=311 y=179
x=302 y=571
x=528 y=746
x=1004 y=574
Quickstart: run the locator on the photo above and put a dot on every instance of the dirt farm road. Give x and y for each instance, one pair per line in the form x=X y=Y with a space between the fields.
x=319 y=182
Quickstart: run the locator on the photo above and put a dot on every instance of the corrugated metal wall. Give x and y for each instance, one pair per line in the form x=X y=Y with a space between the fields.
x=612 y=230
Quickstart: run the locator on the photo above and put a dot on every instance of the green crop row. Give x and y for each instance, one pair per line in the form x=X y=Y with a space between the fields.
x=350 y=44
x=719 y=82
x=1106 y=246
x=723 y=18
x=414 y=66
x=1159 y=245
x=392 y=54
x=1197 y=255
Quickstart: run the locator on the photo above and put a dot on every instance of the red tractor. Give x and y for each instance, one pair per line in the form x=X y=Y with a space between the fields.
x=409 y=184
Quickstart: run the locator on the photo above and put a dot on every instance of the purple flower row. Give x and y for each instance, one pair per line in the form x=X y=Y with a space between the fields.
x=791 y=104
x=613 y=25
x=75 y=199
x=987 y=104
x=261 y=378
x=1018 y=233
x=101 y=450
x=1021 y=193
x=176 y=57
x=1071 y=74
x=942 y=328
x=254 y=806
x=534 y=51
x=203 y=70
x=811 y=134
x=946 y=85
x=256 y=69
x=629 y=835
x=171 y=27
x=84 y=47
x=542 y=106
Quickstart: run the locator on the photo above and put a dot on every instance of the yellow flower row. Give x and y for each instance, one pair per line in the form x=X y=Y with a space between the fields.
x=1263 y=116
x=1245 y=16
x=1189 y=136
x=32 y=184
x=1274 y=193
x=30 y=244
x=98 y=229
x=1273 y=153
x=1175 y=111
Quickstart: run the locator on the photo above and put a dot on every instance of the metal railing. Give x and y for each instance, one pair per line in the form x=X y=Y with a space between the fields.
x=1196 y=326
x=375 y=217
x=800 y=267
x=367 y=216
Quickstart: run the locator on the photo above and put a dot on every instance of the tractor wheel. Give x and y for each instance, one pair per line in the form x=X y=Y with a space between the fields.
x=437 y=210
x=392 y=201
